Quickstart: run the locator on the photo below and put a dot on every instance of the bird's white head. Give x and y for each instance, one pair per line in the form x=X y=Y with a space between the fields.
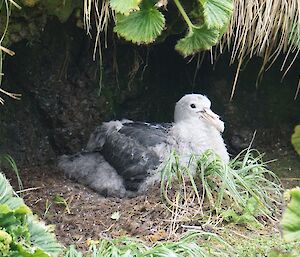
x=195 y=107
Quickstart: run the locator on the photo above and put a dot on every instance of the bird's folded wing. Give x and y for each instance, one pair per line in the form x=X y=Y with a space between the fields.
x=128 y=147
x=132 y=161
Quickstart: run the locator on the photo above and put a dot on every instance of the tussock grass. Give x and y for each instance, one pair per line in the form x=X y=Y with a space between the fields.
x=6 y=4
x=102 y=16
x=207 y=188
x=249 y=243
x=7 y=161
x=193 y=244
x=265 y=28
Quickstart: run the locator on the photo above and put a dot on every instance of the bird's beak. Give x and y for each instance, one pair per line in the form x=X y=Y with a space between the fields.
x=212 y=118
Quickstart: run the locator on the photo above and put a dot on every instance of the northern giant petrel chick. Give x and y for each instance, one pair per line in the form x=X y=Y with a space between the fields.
x=125 y=156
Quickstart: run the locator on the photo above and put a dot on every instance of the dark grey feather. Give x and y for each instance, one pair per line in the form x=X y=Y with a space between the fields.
x=147 y=134
x=131 y=160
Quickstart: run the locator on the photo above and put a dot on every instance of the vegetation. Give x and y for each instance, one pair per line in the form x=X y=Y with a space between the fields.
x=21 y=234
x=295 y=139
x=206 y=21
x=243 y=192
x=291 y=218
x=211 y=245
x=6 y=4
x=201 y=25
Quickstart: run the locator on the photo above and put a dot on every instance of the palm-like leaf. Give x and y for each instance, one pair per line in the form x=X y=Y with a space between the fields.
x=142 y=26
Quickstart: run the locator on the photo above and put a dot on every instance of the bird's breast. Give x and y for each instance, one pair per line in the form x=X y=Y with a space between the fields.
x=196 y=138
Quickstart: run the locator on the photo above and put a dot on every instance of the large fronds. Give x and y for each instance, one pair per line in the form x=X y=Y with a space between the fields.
x=217 y=13
x=141 y=21
x=125 y=6
x=41 y=238
x=142 y=26
x=197 y=39
x=8 y=200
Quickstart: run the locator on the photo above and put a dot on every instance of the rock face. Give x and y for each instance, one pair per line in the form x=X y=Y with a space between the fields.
x=61 y=104
x=60 y=101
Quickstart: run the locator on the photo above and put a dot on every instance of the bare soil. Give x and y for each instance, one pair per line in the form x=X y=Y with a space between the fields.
x=87 y=215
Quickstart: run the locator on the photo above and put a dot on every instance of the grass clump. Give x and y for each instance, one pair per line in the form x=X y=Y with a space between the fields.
x=210 y=245
x=254 y=244
x=242 y=190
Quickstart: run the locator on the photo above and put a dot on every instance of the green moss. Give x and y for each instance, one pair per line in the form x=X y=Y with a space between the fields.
x=61 y=9
x=30 y=3
x=295 y=139
x=58 y=8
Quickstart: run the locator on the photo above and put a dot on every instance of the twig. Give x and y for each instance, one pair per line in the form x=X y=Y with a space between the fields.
x=6 y=50
x=28 y=189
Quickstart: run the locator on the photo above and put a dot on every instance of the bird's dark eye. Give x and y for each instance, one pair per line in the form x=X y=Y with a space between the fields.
x=193 y=106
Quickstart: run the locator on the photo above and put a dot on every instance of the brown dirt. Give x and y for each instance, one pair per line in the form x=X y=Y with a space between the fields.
x=87 y=215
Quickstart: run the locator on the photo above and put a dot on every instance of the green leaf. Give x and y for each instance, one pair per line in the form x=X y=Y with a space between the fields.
x=217 y=13
x=197 y=39
x=29 y=236
x=291 y=217
x=295 y=139
x=7 y=198
x=142 y=26
x=42 y=238
x=125 y=6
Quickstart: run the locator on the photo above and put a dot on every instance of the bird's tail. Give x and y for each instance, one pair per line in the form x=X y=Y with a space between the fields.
x=92 y=170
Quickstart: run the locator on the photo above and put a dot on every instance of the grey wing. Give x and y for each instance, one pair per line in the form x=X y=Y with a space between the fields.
x=147 y=134
x=129 y=150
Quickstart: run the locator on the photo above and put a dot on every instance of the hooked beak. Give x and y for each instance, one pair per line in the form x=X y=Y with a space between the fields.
x=212 y=118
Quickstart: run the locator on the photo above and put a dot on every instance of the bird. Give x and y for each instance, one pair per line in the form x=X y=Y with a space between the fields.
x=123 y=158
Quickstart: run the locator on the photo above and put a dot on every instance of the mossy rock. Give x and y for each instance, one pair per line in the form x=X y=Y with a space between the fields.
x=58 y=8
x=61 y=9
x=296 y=139
x=30 y=3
